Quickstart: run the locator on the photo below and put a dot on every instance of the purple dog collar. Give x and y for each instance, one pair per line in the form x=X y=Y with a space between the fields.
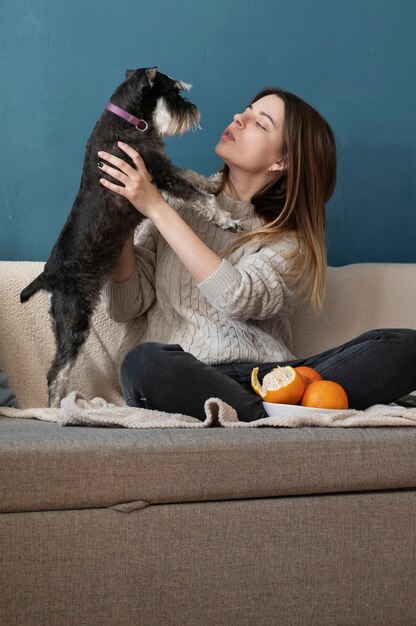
x=139 y=124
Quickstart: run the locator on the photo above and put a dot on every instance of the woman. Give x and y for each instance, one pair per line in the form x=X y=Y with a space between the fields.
x=217 y=303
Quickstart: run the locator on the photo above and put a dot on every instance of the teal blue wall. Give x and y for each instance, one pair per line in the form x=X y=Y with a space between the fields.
x=354 y=60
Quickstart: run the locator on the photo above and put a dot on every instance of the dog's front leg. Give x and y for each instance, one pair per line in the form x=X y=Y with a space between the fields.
x=207 y=205
x=185 y=190
x=210 y=184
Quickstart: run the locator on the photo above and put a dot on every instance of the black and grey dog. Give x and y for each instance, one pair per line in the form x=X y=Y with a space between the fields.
x=85 y=253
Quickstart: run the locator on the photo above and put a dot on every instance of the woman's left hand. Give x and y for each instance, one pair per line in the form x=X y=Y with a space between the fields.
x=137 y=186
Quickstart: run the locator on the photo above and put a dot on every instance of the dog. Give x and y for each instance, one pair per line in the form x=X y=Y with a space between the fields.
x=100 y=221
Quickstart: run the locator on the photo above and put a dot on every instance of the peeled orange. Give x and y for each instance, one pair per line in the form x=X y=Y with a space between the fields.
x=308 y=373
x=325 y=394
x=283 y=384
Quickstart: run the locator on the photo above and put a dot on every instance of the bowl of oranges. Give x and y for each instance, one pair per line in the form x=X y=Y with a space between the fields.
x=298 y=391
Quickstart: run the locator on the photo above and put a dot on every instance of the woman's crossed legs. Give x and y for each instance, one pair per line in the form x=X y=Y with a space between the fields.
x=378 y=366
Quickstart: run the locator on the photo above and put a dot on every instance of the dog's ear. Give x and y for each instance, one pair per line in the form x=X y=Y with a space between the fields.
x=129 y=73
x=151 y=75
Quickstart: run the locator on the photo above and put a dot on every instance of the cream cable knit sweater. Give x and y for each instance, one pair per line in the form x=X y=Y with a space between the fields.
x=238 y=314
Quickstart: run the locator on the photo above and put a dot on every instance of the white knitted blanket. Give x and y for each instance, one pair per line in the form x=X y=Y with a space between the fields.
x=77 y=410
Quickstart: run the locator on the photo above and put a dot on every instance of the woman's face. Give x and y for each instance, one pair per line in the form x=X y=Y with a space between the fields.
x=253 y=141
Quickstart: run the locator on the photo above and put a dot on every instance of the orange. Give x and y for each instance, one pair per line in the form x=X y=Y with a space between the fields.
x=325 y=394
x=282 y=384
x=308 y=373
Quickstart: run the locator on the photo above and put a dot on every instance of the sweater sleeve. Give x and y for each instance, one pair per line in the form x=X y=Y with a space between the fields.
x=255 y=287
x=133 y=297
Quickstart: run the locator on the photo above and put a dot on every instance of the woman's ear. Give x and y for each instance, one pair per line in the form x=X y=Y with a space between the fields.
x=279 y=166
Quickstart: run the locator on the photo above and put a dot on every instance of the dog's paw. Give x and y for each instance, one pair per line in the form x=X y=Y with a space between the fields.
x=226 y=222
x=220 y=216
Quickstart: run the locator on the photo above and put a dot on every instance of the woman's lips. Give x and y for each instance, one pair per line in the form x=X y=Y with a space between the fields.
x=228 y=134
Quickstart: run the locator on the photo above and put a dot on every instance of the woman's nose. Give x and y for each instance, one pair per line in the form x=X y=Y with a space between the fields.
x=238 y=119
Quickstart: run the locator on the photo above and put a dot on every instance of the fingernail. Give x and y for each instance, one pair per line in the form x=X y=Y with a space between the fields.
x=120 y=143
x=100 y=153
x=100 y=163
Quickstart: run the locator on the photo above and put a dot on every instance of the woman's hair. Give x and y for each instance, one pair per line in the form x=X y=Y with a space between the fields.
x=295 y=202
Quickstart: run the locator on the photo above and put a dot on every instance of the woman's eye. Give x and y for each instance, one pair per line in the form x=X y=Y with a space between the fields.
x=258 y=124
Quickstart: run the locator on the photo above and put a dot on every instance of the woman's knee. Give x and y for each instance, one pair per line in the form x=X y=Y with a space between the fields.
x=404 y=337
x=139 y=372
x=409 y=342
x=146 y=361
x=400 y=356
x=409 y=335
x=144 y=357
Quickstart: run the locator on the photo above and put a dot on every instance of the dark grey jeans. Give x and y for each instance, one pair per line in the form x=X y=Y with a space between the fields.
x=378 y=366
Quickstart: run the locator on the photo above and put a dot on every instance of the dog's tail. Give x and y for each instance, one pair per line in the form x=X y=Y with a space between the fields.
x=33 y=287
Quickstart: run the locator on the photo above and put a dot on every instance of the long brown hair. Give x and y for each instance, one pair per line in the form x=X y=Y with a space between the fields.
x=295 y=202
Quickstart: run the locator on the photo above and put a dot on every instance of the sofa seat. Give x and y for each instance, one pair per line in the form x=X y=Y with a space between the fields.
x=48 y=467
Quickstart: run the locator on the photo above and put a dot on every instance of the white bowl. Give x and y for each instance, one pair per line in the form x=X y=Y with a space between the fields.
x=295 y=410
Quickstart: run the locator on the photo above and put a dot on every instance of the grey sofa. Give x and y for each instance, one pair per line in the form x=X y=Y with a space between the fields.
x=166 y=527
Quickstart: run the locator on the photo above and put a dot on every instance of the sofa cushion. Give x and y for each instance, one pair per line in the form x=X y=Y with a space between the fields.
x=358 y=298
x=44 y=466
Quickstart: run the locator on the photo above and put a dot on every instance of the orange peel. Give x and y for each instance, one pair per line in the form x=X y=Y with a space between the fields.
x=281 y=385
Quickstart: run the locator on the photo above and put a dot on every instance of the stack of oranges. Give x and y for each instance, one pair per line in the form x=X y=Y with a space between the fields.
x=299 y=385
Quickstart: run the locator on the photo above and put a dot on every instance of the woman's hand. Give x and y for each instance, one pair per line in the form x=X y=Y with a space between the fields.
x=137 y=186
